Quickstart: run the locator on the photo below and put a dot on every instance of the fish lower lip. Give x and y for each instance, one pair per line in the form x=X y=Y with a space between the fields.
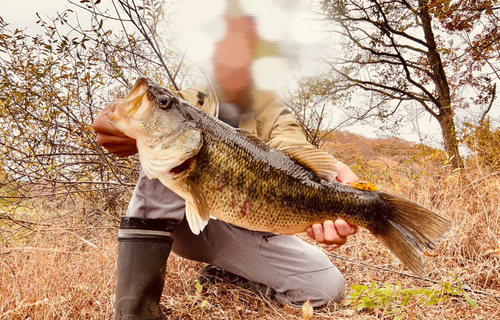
x=181 y=168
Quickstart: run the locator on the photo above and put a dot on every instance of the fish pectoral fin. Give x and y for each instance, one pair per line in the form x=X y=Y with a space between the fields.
x=323 y=164
x=197 y=211
x=196 y=223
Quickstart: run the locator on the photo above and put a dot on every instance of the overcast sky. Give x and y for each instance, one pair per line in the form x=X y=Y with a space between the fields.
x=22 y=14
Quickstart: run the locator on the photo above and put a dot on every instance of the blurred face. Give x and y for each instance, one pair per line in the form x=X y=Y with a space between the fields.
x=233 y=58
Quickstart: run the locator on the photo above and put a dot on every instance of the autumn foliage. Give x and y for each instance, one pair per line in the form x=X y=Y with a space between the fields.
x=484 y=141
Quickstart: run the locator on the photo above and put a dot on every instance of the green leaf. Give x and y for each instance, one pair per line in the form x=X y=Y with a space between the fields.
x=472 y=302
x=358 y=287
x=406 y=299
x=199 y=286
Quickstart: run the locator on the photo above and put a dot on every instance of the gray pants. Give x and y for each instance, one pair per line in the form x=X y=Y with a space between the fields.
x=297 y=271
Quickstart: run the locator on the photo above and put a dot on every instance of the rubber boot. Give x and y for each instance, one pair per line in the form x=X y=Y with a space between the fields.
x=143 y=249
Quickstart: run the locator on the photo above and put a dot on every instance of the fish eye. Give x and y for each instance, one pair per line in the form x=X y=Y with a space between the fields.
x=165 y=102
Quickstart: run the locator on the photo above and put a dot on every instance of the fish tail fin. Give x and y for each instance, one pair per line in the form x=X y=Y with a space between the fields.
x=411 y=229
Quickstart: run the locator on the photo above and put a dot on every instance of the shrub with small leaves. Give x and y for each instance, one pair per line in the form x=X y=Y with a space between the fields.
x=393 y=298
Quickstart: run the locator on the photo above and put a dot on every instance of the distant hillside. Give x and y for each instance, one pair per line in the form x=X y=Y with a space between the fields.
x=370 y=157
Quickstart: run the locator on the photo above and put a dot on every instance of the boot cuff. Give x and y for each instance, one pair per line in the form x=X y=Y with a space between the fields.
x=150 y=230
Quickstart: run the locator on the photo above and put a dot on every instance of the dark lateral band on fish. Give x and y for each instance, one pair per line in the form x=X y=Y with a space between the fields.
x=234 y=176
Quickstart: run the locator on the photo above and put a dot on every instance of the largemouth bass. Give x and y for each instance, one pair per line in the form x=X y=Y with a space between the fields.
x=232 y=175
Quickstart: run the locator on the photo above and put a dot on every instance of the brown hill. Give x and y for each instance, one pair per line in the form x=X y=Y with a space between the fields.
x=370 y=158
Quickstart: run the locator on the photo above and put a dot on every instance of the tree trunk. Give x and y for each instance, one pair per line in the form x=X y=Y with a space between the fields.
x=443 y=101
x=447 y=123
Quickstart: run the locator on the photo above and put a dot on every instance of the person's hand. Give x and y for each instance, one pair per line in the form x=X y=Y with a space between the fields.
x=111 y=138
x=335 y=233
x=345 y=174
x=332 y=232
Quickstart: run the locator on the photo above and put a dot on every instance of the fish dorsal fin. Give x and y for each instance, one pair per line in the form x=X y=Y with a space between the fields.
x=197 y=212
x=250 y=135
x=323 y=164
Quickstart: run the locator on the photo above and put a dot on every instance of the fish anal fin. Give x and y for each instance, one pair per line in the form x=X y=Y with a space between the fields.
x=323 y=164
x=363 y=185
x=250 y=135
x=197 y=211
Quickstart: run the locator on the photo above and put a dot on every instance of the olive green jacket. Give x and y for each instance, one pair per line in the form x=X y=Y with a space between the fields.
x=269 y=118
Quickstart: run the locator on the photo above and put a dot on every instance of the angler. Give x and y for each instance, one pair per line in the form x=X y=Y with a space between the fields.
x=211 y=169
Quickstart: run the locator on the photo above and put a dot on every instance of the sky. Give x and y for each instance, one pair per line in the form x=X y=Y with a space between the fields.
x=22 y=14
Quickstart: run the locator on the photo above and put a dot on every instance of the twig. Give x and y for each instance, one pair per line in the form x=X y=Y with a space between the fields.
x=479 y=180
x=18 y=221
x=272 y=307
x=85 y=241
x=55 y=194
x=223 y=313
x=389 y=300
x=493 y=94
x=7 y=251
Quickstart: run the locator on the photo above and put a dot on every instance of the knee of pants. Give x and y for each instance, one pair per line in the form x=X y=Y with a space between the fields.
x=331 y=284
x=320 y=282
x=319 y=288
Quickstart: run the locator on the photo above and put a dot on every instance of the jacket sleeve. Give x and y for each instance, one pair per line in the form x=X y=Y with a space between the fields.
x=286 y=133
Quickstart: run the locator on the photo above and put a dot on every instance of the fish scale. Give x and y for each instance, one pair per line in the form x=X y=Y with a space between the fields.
x=231 y=175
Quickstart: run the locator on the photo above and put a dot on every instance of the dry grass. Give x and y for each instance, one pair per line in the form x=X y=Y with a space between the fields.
x=64 y=267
